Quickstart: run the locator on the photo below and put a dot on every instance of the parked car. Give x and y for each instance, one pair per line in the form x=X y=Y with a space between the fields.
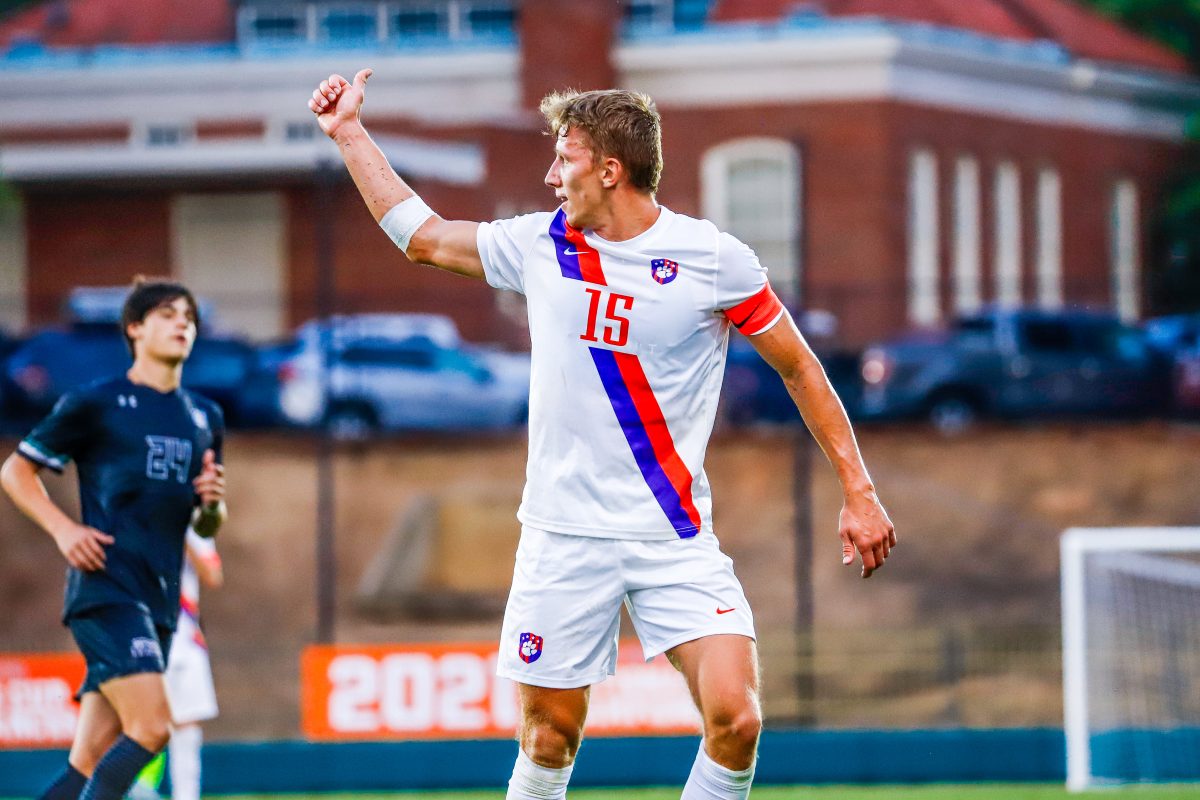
x=399 y=372
x=754 y=392
x=1177 y=337
x=1015 y=363
x=53 y=361
x=1186 y=382
x=1173 y=333
x=9 y=421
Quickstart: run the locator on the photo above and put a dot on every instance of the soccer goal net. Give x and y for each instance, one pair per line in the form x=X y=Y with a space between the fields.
x=1131 y=655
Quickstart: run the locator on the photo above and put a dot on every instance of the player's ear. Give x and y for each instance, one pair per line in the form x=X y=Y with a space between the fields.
x=611 y=171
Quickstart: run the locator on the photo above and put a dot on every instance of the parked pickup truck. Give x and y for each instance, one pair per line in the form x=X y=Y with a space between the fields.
x=1014 y=364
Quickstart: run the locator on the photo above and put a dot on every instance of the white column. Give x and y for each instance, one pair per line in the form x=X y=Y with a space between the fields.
x=1126 y=251
x=967 y=236
x=1049 y=244
x=1008 y=235
x=924 y=306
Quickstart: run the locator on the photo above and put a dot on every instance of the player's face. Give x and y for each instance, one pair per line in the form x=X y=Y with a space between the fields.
x=167 y=333
x=575 y=177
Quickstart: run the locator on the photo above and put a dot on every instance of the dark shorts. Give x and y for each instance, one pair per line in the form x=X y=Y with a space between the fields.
x=116 y=641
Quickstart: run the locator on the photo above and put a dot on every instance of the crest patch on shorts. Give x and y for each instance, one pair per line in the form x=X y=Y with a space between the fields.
x=530 y=648
x=144 y=647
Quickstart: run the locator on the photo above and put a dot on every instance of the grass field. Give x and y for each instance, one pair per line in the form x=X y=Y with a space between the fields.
x=989 y=791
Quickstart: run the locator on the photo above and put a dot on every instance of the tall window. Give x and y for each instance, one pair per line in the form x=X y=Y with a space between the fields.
x=751 y=189
x=924 y=305
x=1049 y=239
x=1126 y=250
x=968 y=241
x=1008 y=235
x=231 y=248
x=12 y=262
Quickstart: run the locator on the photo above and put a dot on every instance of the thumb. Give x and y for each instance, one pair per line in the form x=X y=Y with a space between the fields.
x=360 y=79
x=847 y=548
x=104 y=537
x=210 y=459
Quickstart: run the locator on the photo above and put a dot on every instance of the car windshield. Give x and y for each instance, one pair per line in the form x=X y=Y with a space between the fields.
x=975 y=332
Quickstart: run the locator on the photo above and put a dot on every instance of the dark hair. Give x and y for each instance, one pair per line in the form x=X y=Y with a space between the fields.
x=617 y=123
x=148 y=295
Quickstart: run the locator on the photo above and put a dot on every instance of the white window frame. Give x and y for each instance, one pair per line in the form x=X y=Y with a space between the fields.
x=924 y=239
x=968 y=236
x=715 y=168
x=1008 y=239
x=1126 y=253
x=1049 y=240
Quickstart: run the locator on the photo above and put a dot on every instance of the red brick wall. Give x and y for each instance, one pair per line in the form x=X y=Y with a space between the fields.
x=1089 y=163
x=559 y=42
x=91 y=238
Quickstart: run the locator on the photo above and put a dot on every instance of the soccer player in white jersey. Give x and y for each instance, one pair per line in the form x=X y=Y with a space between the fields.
x=630 y=307
x=190 y=690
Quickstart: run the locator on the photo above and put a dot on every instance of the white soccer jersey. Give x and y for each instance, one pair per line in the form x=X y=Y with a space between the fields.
x=629 y=343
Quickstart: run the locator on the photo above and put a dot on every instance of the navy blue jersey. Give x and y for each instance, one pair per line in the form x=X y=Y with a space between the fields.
x=137 y=451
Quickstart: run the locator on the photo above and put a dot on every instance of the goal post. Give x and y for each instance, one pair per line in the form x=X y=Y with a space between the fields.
x=1131 y=655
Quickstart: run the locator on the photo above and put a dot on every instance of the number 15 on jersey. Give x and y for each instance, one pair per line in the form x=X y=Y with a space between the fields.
x=614 y=328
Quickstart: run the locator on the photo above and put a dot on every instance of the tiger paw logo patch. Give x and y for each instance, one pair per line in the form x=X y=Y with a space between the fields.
x=664 y=270
x=530 y=647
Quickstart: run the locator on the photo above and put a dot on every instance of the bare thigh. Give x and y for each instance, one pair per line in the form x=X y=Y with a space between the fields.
x=140 y=701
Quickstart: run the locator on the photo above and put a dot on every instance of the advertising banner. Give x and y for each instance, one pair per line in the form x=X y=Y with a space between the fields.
x=418 y=691
x=36 y=705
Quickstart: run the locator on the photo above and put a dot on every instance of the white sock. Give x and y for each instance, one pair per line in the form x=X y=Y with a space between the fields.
x=532 y=782
x=710 y=781
x=183 y=759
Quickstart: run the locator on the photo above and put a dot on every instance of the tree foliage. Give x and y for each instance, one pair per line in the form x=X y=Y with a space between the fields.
x=1175 y=269
x=1175 y=23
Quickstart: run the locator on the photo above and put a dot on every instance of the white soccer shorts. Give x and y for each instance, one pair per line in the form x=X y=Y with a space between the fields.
x=564 y=609
x=190 y=690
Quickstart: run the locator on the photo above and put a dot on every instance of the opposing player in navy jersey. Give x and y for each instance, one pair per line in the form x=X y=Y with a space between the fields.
x=148 y=456
x=630 y=309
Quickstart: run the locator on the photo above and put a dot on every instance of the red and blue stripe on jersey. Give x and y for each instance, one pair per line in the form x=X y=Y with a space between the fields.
x=577 y=259
x=633 y=401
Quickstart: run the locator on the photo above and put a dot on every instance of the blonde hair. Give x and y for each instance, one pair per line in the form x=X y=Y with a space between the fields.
x=618 y=123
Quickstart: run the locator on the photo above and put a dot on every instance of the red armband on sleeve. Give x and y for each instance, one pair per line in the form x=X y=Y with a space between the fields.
x=756 y=313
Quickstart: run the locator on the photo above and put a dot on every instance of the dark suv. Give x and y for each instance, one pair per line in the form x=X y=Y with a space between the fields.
x=52 y=361
x=1015 y=363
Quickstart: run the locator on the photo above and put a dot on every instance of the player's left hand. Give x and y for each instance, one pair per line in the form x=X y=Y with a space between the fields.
x=865 y=528
x=210 y=483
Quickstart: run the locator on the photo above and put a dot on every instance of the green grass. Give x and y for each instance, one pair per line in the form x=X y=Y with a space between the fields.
x=983 y=791
x=971 y=791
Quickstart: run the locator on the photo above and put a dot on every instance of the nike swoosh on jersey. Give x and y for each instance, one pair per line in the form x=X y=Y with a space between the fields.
x=725 y=610
x=577 y=259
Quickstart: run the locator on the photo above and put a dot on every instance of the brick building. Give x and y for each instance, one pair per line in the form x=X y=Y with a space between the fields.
x=893 y=162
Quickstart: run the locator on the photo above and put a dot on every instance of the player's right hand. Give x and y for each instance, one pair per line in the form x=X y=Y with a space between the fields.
x=83 y=547
x=337 y=101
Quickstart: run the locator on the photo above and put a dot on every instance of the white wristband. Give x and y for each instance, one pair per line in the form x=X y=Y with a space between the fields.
x=403 y=219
